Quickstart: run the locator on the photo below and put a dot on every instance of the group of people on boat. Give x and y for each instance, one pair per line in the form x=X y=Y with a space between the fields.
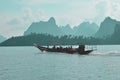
x=81 y=47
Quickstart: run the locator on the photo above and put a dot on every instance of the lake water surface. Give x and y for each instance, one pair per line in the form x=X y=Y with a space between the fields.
x=28 y=63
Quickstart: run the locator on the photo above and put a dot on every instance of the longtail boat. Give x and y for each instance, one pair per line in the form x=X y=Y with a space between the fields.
x=80 y=50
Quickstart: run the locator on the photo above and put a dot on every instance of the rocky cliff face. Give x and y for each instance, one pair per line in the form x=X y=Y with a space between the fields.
x=48 y=27
x=84 y=29
x=107 y=28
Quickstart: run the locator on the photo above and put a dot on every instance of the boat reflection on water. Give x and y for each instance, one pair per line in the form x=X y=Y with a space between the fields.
x=80 y=50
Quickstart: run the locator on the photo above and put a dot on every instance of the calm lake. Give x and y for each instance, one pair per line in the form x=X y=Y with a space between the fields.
x=28 y=63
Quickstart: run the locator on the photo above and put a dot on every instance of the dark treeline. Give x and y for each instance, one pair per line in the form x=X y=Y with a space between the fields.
x=46 y=39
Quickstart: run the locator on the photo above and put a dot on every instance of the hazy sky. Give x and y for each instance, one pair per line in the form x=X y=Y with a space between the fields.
x=17 y=15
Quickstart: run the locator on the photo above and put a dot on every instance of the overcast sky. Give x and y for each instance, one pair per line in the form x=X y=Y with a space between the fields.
x=17 y=15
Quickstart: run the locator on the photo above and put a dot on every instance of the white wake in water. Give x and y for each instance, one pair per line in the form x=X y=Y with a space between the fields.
x=108 y=53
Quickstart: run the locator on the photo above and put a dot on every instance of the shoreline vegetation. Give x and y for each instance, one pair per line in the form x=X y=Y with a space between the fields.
x=46 y=39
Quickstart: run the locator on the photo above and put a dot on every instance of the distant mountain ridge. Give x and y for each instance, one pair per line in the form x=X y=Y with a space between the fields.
x=67 y=30
x=116 y=34
x=107 y=28
x=86 y=29
x=2 y=38
x=50 y=27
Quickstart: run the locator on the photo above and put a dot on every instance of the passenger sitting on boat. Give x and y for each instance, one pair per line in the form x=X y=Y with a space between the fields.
x=66 y=48
x=71 y=47
x=58 y=48
x=61 y=47
x=47 y=46
x=54 y=47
